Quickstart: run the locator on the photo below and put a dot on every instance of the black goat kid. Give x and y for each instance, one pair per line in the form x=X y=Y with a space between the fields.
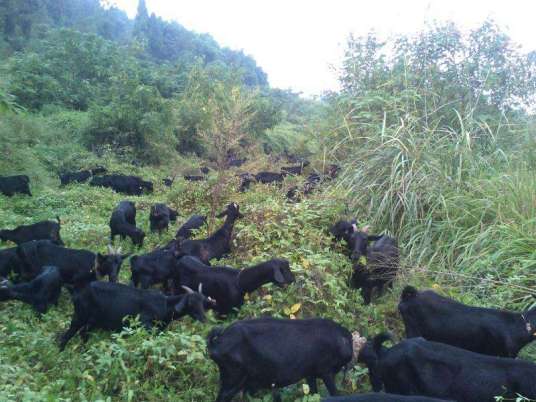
x=41 y=291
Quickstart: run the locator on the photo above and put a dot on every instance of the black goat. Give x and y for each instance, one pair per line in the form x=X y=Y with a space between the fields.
x=295 y=170
x=44 y=230
x=130 y=185
x=228 y=286
x=156 y=267
x=246 y=179
x=419 y=367
x=482 y=330
x=381 y=397
x=9 y=262
x=343 y=229
x=168 y=181
x=77 y=267
x=332 y=171
x=11 y=185
x=189 y=177
x=41 y=291
x=194 y=222
x=218 y=244
x=123 y=223
x=311 y=183
x=268 y=353
x=160 y=216
x=105 y=305
x=269 y=177
x=375 y=266
x=80 y=176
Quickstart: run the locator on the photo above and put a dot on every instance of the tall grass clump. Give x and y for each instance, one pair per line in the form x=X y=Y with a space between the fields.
x=439 y=153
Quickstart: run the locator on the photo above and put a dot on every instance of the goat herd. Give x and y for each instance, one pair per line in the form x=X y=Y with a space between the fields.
x=452 y=351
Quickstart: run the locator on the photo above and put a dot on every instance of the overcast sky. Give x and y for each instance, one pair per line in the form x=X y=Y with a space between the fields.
x=297 y=41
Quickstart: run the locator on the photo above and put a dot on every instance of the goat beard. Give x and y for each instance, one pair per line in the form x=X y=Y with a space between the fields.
x=358 y=342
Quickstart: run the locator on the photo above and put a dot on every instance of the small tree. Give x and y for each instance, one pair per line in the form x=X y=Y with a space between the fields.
x=231 y=110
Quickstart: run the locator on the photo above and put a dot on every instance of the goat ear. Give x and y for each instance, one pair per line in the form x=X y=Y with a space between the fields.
x=180 y=307
x=278 y=276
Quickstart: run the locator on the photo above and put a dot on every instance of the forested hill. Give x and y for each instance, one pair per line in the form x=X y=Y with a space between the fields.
x=143 y=89
x=25 y=21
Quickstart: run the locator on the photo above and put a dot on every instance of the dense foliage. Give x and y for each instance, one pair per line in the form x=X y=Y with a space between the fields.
x=433 y=132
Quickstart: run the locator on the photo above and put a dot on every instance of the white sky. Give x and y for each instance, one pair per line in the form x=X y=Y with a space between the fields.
x=296 y=41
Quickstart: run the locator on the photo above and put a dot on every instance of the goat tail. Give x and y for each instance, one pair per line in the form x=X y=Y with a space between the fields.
x=378 y=340
x=213 y=335
x=408 y=293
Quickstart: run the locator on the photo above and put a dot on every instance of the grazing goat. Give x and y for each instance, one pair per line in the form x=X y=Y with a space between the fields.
x=295 y=170
x=130 y=185
x=218 y=244
x=77 y=267
x=419 y=367
x=11 y=185
x=228 y=286
x=189 y=177
x=156 y=267
x=381 y=397
x=160 y=216
x=375 y=266
x=311 y=183
x=80 y=176
x=41 y=291
x=44 y=230
x=123 y=223
x=269 y=177
x=343 y=229
x=246 y=179
x=194 y=222
x=168 y=181
x=481 y=330
x=105 y=305
x=267 y=353
x=9 y=262
x=332 y=171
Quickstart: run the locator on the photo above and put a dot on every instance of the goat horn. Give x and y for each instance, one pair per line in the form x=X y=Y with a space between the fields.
x=188 y=290
x=211 y=300
x=200 y=288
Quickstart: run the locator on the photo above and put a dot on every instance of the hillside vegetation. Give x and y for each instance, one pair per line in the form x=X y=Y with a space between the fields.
x=433 y=133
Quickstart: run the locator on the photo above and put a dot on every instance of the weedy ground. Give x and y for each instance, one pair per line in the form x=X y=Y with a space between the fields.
x=136 y=365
